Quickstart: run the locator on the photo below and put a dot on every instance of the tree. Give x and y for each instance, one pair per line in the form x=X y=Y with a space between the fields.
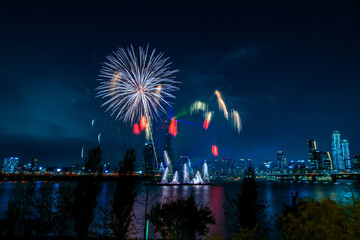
x=181 y=219
x=85 y=194
x=320 y=220
x=93 y=160
x=124 y=198
x=246 y=211
x=127 y=166
x=35 y=211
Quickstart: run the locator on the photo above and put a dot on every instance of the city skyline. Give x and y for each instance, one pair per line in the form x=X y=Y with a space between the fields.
x=290 y=79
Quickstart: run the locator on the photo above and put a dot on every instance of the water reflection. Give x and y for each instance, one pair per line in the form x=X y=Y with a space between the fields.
x=276 y=194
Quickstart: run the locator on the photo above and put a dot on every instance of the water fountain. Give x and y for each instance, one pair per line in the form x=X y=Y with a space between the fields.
x=186 y=178
x=189 y=177
x=206 y=172
x=165 y=176
x=175 y=179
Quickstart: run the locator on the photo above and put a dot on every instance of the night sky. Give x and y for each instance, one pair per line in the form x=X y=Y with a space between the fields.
x=291 y=70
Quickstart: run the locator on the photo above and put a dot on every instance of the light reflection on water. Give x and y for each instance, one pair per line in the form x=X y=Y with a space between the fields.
x=275 y=193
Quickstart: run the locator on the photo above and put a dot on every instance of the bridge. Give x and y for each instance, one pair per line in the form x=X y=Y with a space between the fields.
x=313 y=176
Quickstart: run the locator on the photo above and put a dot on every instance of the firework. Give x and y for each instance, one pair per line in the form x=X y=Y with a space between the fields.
x=93 y=123
x=136 y=129
x=143 y=123
x=198 y=106
x=173 y=127
x=99 y=137
x=214 y=150
x=208 y=117
x=82 y=152
x=222 y=105
x=135 y=85
x=236 y=120
x=147 y=132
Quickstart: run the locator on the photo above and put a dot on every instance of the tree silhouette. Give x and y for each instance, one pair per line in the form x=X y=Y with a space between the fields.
x=245 y=210
x=181 y=219
x=127 y=166
x=93 y=160
x=86 y=193
x=124 y=198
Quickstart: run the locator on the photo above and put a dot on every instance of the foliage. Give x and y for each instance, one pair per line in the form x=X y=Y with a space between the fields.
x=102 y=228
x=122 y=207
x=249 y=234
x=93 y=160
x=181 y=219
x=320 y=220
x=84 y=199
x=245 y=210
x=36 y=210
x=124 y=198
x=127 y=166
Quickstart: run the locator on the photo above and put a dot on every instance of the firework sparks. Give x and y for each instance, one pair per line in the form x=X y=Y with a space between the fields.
x=236 y=120
x=208 y=117
x=136 y=129
x=93 y=123
x=147 y=132
x=214 y=150
x=222 y=105
x=135 y=85
x=173 y=127
x=198 y=106
x=143 y=123
x=82 y=152
x=99 y=137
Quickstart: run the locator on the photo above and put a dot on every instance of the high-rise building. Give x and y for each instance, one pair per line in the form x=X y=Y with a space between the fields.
x=356 y=162
x=345 y=153
x=314 y=155
x=318 y=159
x=148 y=158
x=338 y=162
x=11 y=164
x=242 y=164
x=281 y=160
x=325 y=160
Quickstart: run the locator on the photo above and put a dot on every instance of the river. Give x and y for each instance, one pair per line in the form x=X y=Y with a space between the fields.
x=275 y=193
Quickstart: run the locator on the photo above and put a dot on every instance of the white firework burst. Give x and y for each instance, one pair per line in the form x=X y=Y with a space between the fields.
x=135 y=85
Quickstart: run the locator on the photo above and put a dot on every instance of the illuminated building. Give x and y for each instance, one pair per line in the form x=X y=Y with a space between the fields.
x=242 y=164
x=325 y=160
x=107 y=167
x=11 y=164
x=314 y=155
x=281 y=160
x=267 y=165
x=345 y=153
x=356 y=162
x=34 y=164
x=301 y=164
x=249 y=163
x=148 y=158
x=318 y=159
x=338 y=161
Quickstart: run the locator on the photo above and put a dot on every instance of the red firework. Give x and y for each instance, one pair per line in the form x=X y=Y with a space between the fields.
x=206 y=124
x=214 y=150
x=136 y=129
x=143 y=123
x=173 y=127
